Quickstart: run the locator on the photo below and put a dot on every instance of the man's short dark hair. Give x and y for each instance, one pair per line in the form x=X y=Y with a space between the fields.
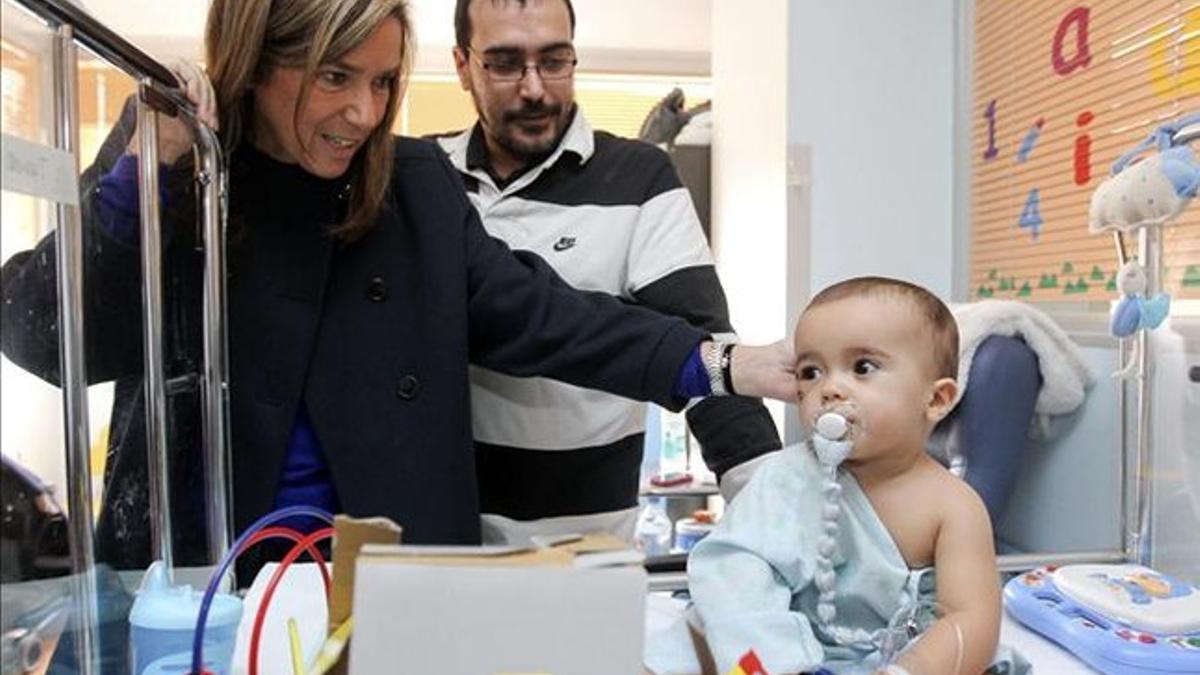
x=943 y=328
x=462 y=20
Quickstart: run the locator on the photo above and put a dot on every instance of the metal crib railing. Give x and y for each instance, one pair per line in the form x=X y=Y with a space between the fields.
x=157 y=94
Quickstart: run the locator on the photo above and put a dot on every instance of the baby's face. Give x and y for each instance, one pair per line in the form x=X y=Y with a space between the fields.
x=870 y=359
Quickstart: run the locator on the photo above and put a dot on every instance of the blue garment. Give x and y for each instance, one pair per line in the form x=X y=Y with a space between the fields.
x=752 y=578
x=304 y=479
x=693 y=379
x=117 y=199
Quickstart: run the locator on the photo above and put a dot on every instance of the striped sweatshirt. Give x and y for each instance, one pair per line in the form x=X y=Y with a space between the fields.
x=610 y=215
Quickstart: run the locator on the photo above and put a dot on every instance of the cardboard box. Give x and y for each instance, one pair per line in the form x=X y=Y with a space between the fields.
x=350 y=535
x=572 y=609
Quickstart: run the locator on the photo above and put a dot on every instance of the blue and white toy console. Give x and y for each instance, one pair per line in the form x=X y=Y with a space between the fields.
x=1120 y=619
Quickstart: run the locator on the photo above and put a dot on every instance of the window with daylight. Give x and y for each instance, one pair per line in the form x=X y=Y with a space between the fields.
x=435 y=103
x=1060 y=91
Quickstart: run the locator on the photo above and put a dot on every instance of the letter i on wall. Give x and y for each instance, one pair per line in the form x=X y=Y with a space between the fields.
x=1083 y=149
x=1030 y=140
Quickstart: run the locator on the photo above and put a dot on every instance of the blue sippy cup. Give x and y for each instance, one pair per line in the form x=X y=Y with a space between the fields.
x=163 y=622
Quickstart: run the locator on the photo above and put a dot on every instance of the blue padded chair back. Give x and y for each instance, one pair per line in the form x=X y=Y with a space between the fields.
x=989 y=430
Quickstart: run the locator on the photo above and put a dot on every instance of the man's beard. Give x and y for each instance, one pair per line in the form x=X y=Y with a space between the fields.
x=526 y=150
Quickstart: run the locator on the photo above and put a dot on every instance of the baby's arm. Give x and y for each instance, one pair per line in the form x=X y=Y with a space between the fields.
x=743 y=575
x=968 y=589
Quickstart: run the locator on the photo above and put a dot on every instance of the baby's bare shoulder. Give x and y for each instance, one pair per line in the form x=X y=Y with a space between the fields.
x=951 y=494
x=960 y=512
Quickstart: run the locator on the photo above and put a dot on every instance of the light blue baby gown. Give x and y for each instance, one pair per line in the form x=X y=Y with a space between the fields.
x=752 y=579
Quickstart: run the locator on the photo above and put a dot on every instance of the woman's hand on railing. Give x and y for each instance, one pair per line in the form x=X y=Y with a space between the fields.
x=174 y=133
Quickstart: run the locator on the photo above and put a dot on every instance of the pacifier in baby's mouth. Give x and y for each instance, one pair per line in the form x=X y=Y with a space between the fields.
x=831 y=438
x=831 y=441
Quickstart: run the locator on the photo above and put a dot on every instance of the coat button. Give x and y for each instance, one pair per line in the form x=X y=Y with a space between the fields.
x=377 y=290
x=343 y=193
x=408 y=387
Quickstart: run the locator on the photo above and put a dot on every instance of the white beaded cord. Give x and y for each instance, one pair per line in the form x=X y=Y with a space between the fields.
x=831 y=450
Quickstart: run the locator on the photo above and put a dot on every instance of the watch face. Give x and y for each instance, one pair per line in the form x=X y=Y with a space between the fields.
x=726 y=368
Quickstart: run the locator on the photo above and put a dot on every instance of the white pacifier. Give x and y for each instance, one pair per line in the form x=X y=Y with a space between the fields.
x=828 y=439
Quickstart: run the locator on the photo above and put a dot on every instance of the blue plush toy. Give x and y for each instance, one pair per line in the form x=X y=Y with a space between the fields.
x=1135 y=311
x=1151 y=190
x=1145 y=191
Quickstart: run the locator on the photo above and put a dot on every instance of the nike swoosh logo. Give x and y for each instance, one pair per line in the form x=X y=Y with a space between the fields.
x=564 y=244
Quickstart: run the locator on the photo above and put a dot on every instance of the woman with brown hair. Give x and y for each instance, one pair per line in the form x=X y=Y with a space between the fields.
x=361 y=285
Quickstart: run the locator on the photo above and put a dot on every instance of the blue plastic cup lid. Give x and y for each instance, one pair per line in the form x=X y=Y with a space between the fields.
x=163 y=606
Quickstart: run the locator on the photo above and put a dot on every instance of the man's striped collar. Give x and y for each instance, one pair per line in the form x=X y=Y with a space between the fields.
x=579 y=140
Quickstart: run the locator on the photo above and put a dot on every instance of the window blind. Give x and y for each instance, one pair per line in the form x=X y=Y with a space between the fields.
x=18 y=113
x=1061 y=90
x=436 y=103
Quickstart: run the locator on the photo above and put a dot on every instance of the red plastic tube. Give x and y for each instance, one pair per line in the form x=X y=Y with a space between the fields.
x=300 y=547
x=280 y=532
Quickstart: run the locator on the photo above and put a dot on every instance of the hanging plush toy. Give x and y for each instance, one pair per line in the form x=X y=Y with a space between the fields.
x=1144 y=192
x=1148 y=191
x=1135 y=311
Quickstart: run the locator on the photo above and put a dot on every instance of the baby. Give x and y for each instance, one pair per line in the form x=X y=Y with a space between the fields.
x=817 y=555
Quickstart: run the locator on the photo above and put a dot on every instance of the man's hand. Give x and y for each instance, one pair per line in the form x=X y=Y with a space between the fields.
x=175 y=134
x=766 y=371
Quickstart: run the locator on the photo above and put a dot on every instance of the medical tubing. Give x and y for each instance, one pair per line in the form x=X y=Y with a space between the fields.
x=294 y=536
x=269 y=592
x=222 y=567
x=961 y=647
x=279 y=532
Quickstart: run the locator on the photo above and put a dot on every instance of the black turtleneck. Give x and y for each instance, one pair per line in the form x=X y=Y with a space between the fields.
x=267 y=193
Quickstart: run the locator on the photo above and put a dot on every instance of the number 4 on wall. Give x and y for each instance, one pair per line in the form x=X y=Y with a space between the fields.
x=1031 y=217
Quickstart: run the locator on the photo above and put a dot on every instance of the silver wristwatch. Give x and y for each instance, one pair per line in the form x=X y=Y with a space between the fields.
x=717 y=359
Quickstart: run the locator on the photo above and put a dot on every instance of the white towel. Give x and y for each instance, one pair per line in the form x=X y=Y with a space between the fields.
x=1065 y=375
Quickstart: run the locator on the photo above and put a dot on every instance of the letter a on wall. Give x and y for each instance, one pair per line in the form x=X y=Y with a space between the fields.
x=1083 y=55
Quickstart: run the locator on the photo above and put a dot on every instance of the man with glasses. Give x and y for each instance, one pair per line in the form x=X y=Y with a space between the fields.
x=610 y=215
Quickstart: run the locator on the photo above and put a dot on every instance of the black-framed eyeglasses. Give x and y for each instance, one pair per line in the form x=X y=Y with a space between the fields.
x=512 y=68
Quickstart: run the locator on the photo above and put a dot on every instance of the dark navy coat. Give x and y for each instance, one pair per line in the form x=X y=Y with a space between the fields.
x=374 y=336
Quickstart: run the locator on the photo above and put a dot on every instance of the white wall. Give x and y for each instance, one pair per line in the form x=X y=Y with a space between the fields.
x=162 y=22
x=674 y=25
x=673 y=33
x=749 y=169
x=872 y=93
x=833 y=161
